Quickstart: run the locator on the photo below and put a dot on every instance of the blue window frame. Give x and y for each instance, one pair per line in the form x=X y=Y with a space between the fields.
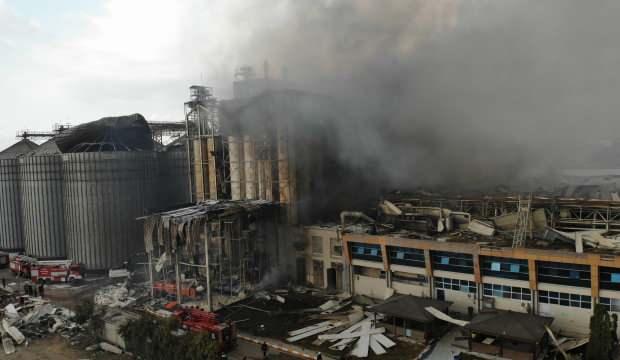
x=406 y=256
x=450 y=261
x=609 y=278
x=504 y=267
x=563 y=274
x=370 y=252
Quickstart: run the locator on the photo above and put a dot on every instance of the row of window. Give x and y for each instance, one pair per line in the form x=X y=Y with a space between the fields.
x=565 y=299
x=547 y=272
x=366 y=252
x=504 y=267
x=406 y=256
x=506 y=292
x=449 y=261
x=455 y=284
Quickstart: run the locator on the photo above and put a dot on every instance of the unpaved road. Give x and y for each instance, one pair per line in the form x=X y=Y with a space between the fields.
x=56 y=348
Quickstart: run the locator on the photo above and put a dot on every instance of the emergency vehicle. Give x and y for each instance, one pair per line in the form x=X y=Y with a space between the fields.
x=21 y=265
x=55 y=272
x=46 y=271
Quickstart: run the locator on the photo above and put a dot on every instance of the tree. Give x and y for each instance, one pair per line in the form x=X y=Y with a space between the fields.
x=601 y=341
x=155 y=339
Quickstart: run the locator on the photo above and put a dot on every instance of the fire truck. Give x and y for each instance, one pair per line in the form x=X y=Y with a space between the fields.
x=46 y=271
x=21 y=265
x=55 y=271
x=194 y=319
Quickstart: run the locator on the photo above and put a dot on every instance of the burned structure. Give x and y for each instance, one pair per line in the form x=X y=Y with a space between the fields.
x=223 y=247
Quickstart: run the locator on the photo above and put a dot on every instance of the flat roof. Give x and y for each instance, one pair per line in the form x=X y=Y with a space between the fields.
x=410 y=307
x=511 y=325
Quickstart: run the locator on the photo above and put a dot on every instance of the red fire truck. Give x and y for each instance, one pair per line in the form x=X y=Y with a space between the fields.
x=21 y=265
x=46 y=271
x=55 y=271
x=194 y=319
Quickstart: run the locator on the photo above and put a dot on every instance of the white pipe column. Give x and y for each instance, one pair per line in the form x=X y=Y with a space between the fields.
x=235 y=154
x=249 y=155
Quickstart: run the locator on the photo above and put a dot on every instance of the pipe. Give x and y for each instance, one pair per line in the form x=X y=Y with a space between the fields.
x=356 y=215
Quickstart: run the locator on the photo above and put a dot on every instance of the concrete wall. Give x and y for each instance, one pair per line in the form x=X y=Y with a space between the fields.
x=410 y=289
x=375 y=288
x=326 y=255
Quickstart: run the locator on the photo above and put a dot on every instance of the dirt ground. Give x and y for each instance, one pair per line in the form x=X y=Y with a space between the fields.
x=57 y=348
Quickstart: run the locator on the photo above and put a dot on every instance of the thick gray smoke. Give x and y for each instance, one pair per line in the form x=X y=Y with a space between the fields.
x=457 y=93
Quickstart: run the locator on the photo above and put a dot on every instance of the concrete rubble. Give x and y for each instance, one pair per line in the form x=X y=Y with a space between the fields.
x=25 y=318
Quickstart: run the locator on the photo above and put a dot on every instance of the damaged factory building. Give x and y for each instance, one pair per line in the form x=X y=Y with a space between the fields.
x=244 y=221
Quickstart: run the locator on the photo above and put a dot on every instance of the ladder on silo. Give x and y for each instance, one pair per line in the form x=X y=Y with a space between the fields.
x=523 y=222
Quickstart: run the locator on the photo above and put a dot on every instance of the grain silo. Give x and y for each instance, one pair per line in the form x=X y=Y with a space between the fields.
x=104 y=193
x=11 y=230
x=42 y=203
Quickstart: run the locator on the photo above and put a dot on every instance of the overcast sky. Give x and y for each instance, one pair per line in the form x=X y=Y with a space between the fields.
x=500 y=81
x=75 y=61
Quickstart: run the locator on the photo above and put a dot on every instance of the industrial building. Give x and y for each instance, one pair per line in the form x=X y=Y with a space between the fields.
x=563 y=268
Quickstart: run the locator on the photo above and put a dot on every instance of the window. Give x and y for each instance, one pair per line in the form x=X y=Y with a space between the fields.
x=336 y=246
x=564 y=299
x=370 y=272
x=450 y=261
x=564 y=274
x=609 y=278
x=455 y=284
x=368 y=252
x=504 y=267
x=317 y=245
x=406 y=256
x=506 y=292
x=611 y=304
x=415 y=279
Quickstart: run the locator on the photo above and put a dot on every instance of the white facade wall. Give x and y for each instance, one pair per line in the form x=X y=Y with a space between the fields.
x=571 y=321
x=325 y=255
x=411 y=289
x=375 y=288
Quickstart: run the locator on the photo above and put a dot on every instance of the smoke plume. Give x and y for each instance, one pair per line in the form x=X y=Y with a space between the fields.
x=463 y=94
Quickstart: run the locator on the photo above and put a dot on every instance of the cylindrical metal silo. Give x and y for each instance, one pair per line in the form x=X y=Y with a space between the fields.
x=174 y=177
x=42 y=205
x=104 y=193
x=11 y=234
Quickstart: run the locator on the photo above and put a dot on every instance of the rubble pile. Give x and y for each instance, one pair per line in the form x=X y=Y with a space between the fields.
x=25 y=318
x=119 y=295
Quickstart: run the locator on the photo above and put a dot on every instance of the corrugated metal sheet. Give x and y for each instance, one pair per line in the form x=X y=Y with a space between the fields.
x=174 y=178
x=104 y=193
x=42 y=206
x=11 y=235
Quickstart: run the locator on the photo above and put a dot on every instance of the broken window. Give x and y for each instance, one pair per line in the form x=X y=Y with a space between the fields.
x=317 y=245
x=336 y=246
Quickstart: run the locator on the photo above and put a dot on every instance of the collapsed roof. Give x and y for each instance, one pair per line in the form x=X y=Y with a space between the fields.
x=120 y=133
x=410 y=307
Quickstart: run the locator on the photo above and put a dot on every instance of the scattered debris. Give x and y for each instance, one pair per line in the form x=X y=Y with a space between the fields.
x=110 y=348
x=481 y=228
